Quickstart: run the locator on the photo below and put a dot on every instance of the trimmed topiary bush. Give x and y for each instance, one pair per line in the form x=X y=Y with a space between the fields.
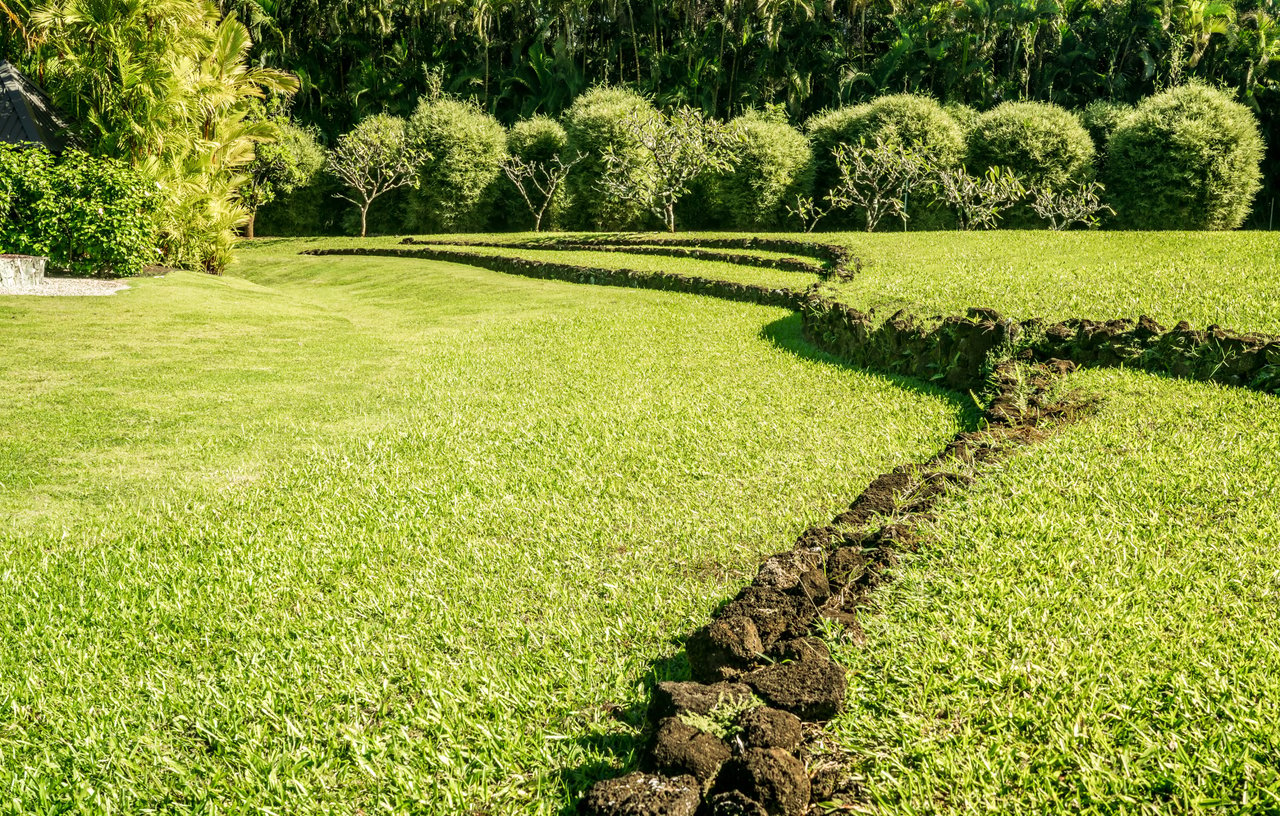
x=1043 y=144
x=596 y=122
x=463 y=149
x=774 y=165
x=965 y=116
x=1187 y=158
x=1101 y=118
x=913 y=121
x=539 y=139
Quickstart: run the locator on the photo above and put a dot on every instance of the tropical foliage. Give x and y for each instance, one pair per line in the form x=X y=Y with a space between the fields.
x=168 y=87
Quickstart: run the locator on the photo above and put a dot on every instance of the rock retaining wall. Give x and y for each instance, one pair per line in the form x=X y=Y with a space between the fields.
x=666 y=281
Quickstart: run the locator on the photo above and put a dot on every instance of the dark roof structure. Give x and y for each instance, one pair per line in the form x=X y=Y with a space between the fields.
x=26 y=114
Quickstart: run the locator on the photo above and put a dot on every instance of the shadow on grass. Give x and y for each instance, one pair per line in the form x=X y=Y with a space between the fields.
x=788 y=334
x=618 y=752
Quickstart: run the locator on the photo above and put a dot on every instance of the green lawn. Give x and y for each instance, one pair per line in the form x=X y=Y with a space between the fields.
x=1095 y=628
x=358 y=535
x=352 y=534
x=1228 y=278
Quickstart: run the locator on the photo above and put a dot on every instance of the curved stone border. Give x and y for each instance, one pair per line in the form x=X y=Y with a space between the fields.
x=840 y=261
x=573 y=273
x=955 y=348
x=790 y=264
x=732 y=742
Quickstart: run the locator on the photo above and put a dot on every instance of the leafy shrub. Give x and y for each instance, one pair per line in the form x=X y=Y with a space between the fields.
x=462 y=150
x=539 y=140
x=774 y=165
x=1043 y=144
x=599 y=123
x=914 y=122
x=280 y=167
x=1187 y=158
x=86 y=214
x=1101 y=118
x=965 y=116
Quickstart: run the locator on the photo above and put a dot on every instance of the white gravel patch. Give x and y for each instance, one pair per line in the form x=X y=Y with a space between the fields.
x=68 y=287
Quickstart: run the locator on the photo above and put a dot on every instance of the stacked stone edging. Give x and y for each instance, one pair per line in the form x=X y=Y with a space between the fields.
x=783 y=264
x=954 y=351
x=573 y=273
x=1246 y=360
x=839 y=260
x=760 y=675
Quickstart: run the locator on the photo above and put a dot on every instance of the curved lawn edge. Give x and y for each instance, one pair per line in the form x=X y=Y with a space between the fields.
x=599 y=276
x=789 y=264
x=735 y=739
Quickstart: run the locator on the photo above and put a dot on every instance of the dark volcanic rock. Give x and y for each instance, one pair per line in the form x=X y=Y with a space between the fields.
x=812 y=690
x=735 y=803
x=798 y=572
x=775 y=614
x=640 y=794
x=806 y=648
x=671 y=699
x=770 y=776
x=723 y=649
x=679 y=749
x=846 y=564
x=764 y=727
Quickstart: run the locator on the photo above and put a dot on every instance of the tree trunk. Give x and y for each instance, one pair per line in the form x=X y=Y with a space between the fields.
x=364 y=220
x=248 y=228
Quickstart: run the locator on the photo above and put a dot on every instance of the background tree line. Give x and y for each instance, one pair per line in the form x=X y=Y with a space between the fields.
x=517 y=58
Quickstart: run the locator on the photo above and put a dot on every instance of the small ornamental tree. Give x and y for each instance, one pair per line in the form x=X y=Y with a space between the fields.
x=979 y=201
x=917 y=123
x=372 y=159
x=280 y=167
x=538 y=182
x=878 y=178
x=537 y=149
x=1063 y=208
x=679 y=146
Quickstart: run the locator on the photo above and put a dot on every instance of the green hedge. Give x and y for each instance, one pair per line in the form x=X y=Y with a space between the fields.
x=775 y=164
x=1043 y=144
x=458 y=182
x=596 y=122
x=915 y=121
x=539 y=139
x=1187 y=158
x=86 y=214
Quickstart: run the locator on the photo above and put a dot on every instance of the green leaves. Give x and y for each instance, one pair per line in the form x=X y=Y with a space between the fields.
x=88 y=215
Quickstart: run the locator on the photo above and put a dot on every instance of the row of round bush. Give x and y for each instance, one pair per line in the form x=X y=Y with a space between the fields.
x=1187 y=158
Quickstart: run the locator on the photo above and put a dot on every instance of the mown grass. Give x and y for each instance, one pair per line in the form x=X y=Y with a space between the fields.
x=1093 y=628
x=1229 y=279
x=715 y=270
x=345 y=535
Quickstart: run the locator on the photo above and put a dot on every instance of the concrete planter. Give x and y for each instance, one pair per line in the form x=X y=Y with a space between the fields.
x=21 y=271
